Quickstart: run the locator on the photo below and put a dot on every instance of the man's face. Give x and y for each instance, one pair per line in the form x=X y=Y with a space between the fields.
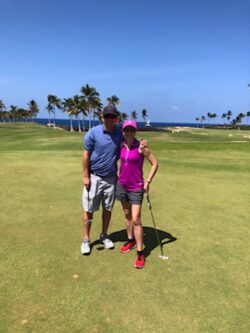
x=109 y=121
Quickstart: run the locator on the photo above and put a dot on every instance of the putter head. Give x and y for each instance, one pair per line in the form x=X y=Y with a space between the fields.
x=163 y=257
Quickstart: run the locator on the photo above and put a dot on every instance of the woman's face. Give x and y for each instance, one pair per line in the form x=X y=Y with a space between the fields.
x=129 y=132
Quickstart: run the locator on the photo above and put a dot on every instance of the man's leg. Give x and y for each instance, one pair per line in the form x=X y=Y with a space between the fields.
x=108 y=198
x=87 y=220
x=87 y=216
x=91 y=201
x=106 y=216
x=85 y=246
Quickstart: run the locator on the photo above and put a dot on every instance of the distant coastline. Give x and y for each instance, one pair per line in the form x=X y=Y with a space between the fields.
x=141 y=125
x=155 y=126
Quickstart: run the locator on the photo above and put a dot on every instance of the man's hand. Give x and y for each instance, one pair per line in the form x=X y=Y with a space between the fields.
x=87 y=182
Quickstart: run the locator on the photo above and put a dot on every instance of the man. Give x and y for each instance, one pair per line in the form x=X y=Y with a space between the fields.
x=102 y=147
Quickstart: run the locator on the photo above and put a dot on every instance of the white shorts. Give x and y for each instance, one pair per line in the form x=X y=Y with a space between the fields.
x=102 y=190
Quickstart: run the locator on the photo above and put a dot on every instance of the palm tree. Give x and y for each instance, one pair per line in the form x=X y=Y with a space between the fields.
x=237 y=120
x=49 y=108
x=229 y=115
x=203 y=118
x=197 y=119
x=98 y=114
x=90 y=96
x=122 y=116
x=209 y=116
x=5 y=115
x=2 y=110
x=68 y=106
x=144 y=114
x=214 y=115
x=134 y=115
x=53 y=103
x=2 y=106
x=33 y=109
x=77 y=110
x=241 y=116
x=98 y=111
x=13 y=112
x=22 y=114
x=97 y=108
x=113 y=100
x=248 y=115
x=224 y=115
x=81 y=106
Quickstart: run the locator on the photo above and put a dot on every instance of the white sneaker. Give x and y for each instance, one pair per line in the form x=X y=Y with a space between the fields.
x=85 y=247
x=108 y=244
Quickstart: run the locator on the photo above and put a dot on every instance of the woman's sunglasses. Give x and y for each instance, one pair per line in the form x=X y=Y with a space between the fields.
x=127 y=130
x=110 y=116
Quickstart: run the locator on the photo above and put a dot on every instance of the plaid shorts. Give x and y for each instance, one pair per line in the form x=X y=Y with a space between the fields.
x=134 y=198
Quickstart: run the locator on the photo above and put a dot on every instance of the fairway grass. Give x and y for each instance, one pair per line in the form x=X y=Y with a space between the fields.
x=200 y=201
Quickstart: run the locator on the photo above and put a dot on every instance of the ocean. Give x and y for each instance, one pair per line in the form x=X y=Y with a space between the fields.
x=140 y=124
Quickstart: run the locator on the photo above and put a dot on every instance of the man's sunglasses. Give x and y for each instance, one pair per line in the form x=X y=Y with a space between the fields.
x=110 y=116
x=126 y=130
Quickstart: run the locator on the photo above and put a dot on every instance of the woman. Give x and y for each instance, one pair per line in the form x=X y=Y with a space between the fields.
x=131 y=186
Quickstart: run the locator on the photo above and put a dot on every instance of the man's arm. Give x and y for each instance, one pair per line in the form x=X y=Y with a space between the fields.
x=85 y=164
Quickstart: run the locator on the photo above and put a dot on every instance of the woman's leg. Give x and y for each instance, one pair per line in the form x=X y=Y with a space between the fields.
x=136 y=223
x=127 y=212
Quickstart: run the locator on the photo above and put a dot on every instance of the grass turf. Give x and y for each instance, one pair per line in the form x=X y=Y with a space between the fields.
x=200 y=200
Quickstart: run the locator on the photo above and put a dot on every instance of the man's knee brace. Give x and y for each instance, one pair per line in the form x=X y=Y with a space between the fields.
x=88 y=221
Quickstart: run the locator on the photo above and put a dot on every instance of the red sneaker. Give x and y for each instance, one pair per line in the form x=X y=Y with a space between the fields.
x=140 y=261
x=127 y=247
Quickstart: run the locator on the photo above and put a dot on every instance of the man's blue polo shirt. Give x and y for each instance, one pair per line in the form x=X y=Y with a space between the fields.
x=104 y=148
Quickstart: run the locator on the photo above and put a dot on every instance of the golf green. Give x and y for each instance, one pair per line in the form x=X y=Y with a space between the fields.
x=200 y=202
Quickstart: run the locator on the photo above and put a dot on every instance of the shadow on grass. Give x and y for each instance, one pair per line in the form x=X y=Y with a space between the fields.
x=150 y=239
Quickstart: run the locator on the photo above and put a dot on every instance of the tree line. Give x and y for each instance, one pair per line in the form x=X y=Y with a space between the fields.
x=86 y=105
x=228 y=116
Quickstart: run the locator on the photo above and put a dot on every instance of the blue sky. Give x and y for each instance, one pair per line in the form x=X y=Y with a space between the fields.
x=176 y=59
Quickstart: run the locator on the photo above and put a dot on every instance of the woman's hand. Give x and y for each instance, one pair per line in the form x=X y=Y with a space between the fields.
x=146 y=187
x=143 y=143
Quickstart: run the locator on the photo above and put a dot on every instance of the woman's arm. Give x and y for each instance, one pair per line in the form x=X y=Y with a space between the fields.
x=154 y=166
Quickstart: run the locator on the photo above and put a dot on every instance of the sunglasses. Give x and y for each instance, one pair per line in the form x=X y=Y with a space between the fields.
x=110 y=116
x=127 y=130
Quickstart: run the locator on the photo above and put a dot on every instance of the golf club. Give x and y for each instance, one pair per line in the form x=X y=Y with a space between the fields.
x=156 y=231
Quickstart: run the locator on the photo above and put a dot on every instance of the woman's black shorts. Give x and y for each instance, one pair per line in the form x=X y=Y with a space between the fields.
x=134 y=198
